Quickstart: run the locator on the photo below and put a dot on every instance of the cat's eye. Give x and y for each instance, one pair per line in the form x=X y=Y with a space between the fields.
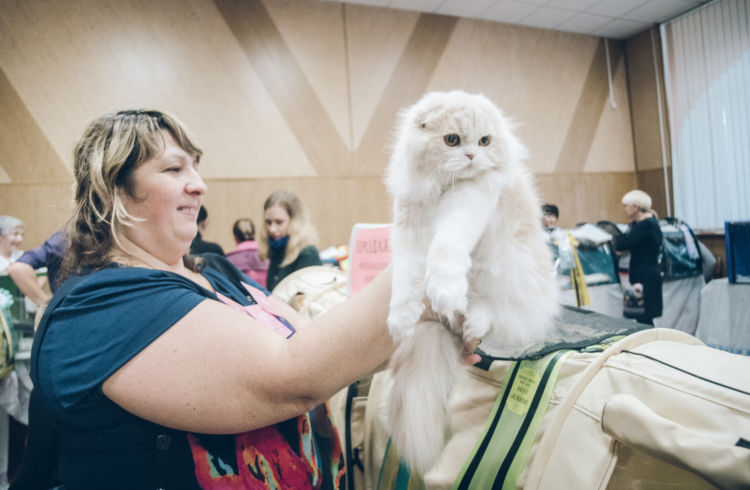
x=452 y=139
x=485 y=140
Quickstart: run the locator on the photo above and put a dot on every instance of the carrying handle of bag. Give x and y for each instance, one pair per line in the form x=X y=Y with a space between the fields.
x=545 y=448
x=714 y=456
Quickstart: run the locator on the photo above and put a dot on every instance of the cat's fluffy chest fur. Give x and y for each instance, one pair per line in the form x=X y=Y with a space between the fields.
x=466 y=235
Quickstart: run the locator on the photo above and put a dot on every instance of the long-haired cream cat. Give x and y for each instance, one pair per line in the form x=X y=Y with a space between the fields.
x=466 y=235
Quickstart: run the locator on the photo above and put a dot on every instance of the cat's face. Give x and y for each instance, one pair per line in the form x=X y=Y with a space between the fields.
x=459 y=136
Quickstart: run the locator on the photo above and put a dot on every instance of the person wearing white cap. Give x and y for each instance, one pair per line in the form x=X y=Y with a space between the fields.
x=643 y=240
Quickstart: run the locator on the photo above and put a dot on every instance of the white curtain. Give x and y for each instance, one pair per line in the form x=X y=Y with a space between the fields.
x=707 y=78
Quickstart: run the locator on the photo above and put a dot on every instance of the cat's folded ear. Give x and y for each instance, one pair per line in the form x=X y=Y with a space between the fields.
x=418 y=115
x=410 y=118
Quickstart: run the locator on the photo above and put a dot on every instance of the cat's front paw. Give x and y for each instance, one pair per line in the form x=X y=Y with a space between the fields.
x=448 y=298
x=403 y=320
x=478 y=322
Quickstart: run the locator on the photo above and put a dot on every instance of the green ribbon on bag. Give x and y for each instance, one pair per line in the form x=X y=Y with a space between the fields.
x=500 y=455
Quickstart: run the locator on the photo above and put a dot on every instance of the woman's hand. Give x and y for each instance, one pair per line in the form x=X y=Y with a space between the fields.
x=467 y=351
x=469 y=345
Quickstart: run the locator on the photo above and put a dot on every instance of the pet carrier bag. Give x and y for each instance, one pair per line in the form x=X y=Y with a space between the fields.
x=598 y=263
x=654 y=409
x=623 y=406
x=313 y=290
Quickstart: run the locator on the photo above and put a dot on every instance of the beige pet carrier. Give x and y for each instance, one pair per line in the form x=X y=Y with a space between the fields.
x=654 y=409
x=313 y=290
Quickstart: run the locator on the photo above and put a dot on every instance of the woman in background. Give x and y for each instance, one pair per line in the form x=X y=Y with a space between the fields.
x=643 y=240
x=288 y=238
x=11 y=236
x=245 y=255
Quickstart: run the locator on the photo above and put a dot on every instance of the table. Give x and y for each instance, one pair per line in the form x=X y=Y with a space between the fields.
x=724 y=320
x=681 y=298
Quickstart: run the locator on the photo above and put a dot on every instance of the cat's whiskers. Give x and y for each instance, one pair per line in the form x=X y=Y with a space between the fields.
x=453 y=179
x=435 y=176
x=434 y=173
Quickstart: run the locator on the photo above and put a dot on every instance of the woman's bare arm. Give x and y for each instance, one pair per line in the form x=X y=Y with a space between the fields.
x=219 y=371
x=25 y=278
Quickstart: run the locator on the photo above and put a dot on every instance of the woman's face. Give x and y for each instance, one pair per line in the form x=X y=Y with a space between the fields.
x=277 y=222
x=167 y=194
x=10 y=242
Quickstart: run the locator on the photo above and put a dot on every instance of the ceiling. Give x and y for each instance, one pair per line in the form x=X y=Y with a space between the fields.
x=617 y=19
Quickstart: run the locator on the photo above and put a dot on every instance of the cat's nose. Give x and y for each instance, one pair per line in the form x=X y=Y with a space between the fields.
x=470 y=155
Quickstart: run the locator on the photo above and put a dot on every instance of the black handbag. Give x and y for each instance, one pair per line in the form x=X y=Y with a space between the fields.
x=633 y=305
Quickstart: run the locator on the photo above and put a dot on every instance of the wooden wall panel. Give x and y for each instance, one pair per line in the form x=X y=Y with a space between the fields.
x=174 y=55
x=611 y=149
x=24 y=147
x=644 y=82
x=286 y=83
x=297 y=94
x=335 y=204
x=371 y=64
x=650 y=129
x=594 y=95
x=408 y=82
x=652 y=183
x=536 y=77
x=315 y=36
x=586 y=196
x=44 y=209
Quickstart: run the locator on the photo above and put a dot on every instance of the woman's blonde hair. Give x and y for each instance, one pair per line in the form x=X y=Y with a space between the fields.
x=301 y=231
x=639 y=198
x=104 y=160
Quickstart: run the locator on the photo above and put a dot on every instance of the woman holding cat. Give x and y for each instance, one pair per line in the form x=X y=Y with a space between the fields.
x=288 y=238
x=159 y=375
x=643 y=240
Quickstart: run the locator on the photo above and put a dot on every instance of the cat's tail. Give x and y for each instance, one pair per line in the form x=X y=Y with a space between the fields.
x=423 y=369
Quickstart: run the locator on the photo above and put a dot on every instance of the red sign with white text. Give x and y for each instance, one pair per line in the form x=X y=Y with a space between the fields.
x=369 y=253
